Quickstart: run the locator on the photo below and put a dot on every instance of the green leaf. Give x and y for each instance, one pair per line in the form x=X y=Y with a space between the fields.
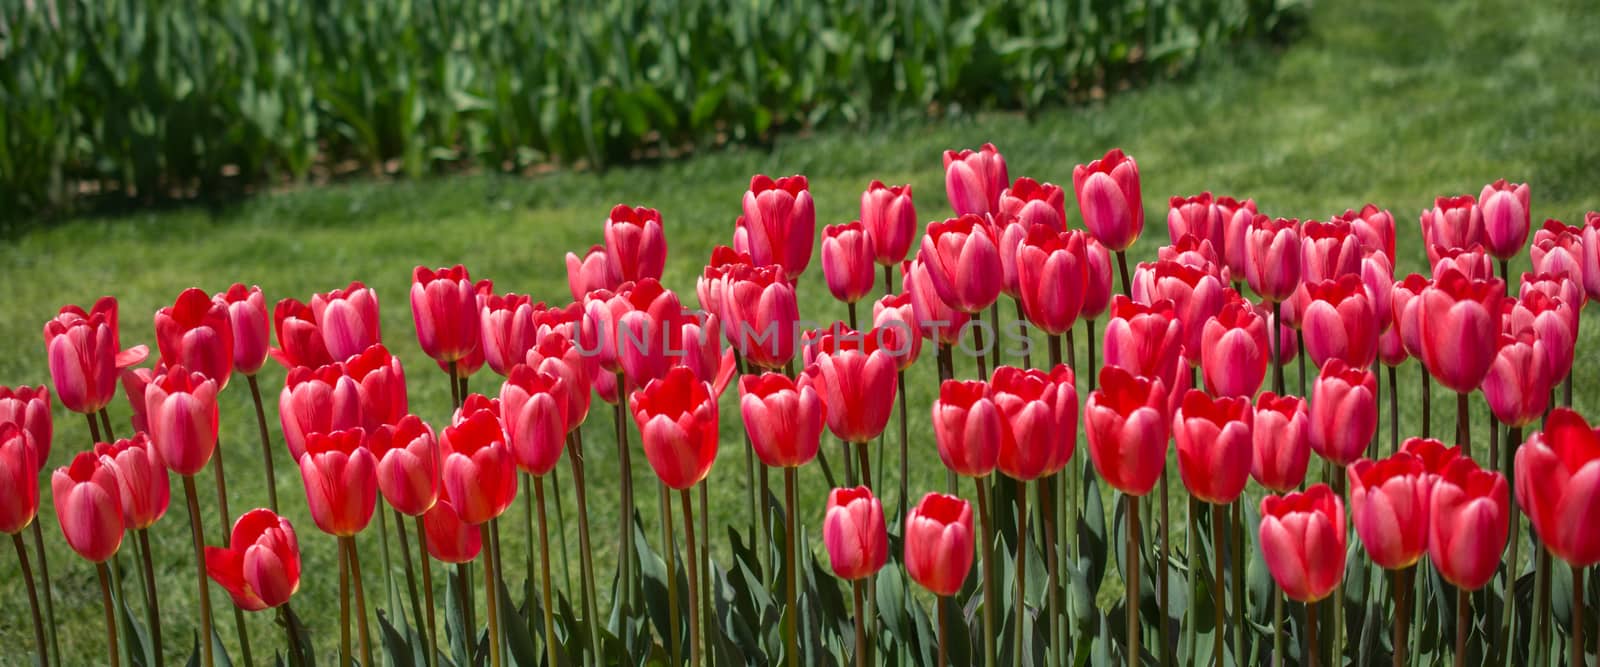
x=397 y=643
x=514 y=626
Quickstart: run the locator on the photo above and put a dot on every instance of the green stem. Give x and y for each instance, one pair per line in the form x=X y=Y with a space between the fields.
x=1575 y=654
x=455 y=387
x=1162 y=571
x=1402 y=613
x=1464 y=625
x=33 y=599
x=1238 y=582
x=359 y=587
x=1464 y=425
x=94 y=429
x=427 y=593
x=1513 y=438
x=291 y=637
x=669 y=553
x=105 y=426
x=939 y=604
x=405 y=558
x=586 y=554
x=1394 y=412
x=1277 y=342
x=464 y=599
x=693 y=566
x=1047 y=508
x=389 y=589
x=708 y=618
x=905 y=455
x=1132 y=580
x=1020 y=564
x=120 y=596
x=1277 y=628
x=490 y=595
x=198 y=533
x=625 y=465
x=1093 y=367
x=860 y=623
x=1191 y=636
x=544 y=576
x=344 y=604
x=791 y=597
x=561 y=527
x=1122 y=270
x=266 y=444
x=986 y=553
x=1313 y=649
x=152 y=604
x=1427 y=401
x=115 y=652
x=1219 y=589
x=994 y=322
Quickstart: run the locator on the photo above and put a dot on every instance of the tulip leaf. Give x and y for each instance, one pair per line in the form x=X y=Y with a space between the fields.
x=137 y=637
x=398 y=645
x=1092 y=543
x=515 y=629
x=307 y=654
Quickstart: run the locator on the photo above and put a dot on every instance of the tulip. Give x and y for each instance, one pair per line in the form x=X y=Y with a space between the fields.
x=1041 y=410
x=1214 y=443
x=1281 y=442
x=1373 y=228
x=348 y=319
x=1590 y=265
x=184 y=418
x=1273 y=257
x=974 y=180
x=847 y=261
x=1195 y=294
x=649 y=330
x=1453 y=222
x=143 y=488
x=506 y=323
x=1339 y=323
x=1235 y=350
x=196 y=333
x=1198 y=215
x=247 y=319
x=1328 y=250
x=1558 y=249
x=1344 y=411
x=963 y=262
x=1236 y=219
x=260 y=567
x=600 y=332
x=1147 y=341
x=85 y=355
x=299 y=339
x=1389 y=502
x=1191 y=250
x=535 y=418
x=969 y=428
x=677 y=420
x=636 y=246
x=381 y=383
x=712 y=283
x=935 y=320
x=1052 y=271
x=479 y=472
x=1504 y=207
x=1519 y=382
x=558 y=355
x=589 y=272
x=1458 y=321
x=1472 y=261
x=444 y=307
x=1377 y=275
x=1403 y=304
x=19 y=473
x=894 y=320
x=321 y=400
x=1468 y=523
x=779 y=224
x=890 y=220
x=1025 y=204
x=341 y=479
x=1108 y=196
x=1126 y=422
x=854 y=533
x=762 y=315
x=1287 y=336
x=1302 y=538
x=1559 y=287
x=939 y=543
x=89 y=507
x=1553 y=323
x=29 y=409
x=447 y=537
x=783 y=420
x=408 y=464
x=1557 y=471
x=857 y=382
x=1097 y=291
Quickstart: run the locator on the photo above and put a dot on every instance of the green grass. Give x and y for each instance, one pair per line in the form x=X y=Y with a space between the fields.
x=1391 y=103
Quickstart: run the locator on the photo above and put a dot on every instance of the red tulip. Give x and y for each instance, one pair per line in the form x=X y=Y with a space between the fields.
x=1328 y=250
x=1302 y=538
x=1042 y=411
x=381 y=382
x=1458 y=322
x=1028 y=202
x=763 y=315
x=1273 y=257
x=299 y=339
x=847 y=261
x=1469 y=519
x=935 y=319
x=1196 y=296
x=779 y=225
x=1569 y=292
x=196 y=333
x=1236 y=219
x=1344 y=411
x=703 y=352
x=1518 y=384
x=1147 y=341
x=341 y=479
x=1404 y=305
x=1558 y=471
x=88 y=506
x=894 y=319
x=260 y=567
x=969 y=428
x=1235 y=350
x=939 y=543
x=712 y=284
x=649 y=330
x=1553 y=323
x=1435 y=455
x=783 y=420
x=448 y=538
x=85 y=355
x=636 y=246
x=143 y=488
x=531 y=403
x=1214 y=445
x=444 y=307
x=558 y=355
x=1280 y=435
x=134 y=382
x=1191 y=250
x=1389 y=502
x=1377 y=275
x=1590 y=265
x=854 y=533
x=348 y=319
x=247 y=319
x=589 y=273
x=408 y=464
x=973 y=180
x=1505 y=209
x=1338 y=322
x=890 y=220
x=1097 y=291
x=1558 y=249
x=1472 y=261
x=1453 y=222
x=1126 y=422
x=29 y=409
x=506 y=323
x=1373 y=228
x=1052 y=273
x=1197 y=215
x=320 y=400
x=19 y=475
x=962 y=258
x=857 y=381
x=1391 y=350
x=183 y=414
x=479 y=473
x=1108 y=196
x=677 y=420
x=600 y=332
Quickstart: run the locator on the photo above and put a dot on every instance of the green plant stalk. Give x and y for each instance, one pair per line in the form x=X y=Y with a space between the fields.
x=1277 y=343
x=359 y=588
x=1464 y=425
x=455 y=387
x=405 y=558
x=1020 y=563
x=1131 y=592
x=1464 y=626
x=49 y=591
x=591 y=602
x=1027 y=357
x=464 y=598
x=1122 y=270
x=791 y=597
x=1394 y=412
x=1277 y=628
x=115 y=652
x=152 y=605
x=120 y=597
x=947 y=371
x=490 y=595
x=291 y=637
x=1419 y=597
x=1219 y=591
x=33 y=599
x=544 y=576
x=1427 y=400
x=625 y=470
x=1313 y=649
x=1047 y=509
x=866 y=474
x=708 y=617
x=693 y=566
x=561 y=527
x=1093 y=367
x=1300 y=358
x=1191 y=637
x=94 y=430
x=1162 y=571
x=1508 y=468
x=669 y=552
x=266 y=444
x=528 y=502
x=227 y=527
x=944 y=651
x=986 y=553
x=905 y=455
x=978 y=344
x=105 y=426
x=994 y=321
x=1238 y=581
x=1402 y=614
x=344 y=604
x=749 y=465
x=198 y=533
x=389 y=589
x=862 y=659
x=1575 y=654
x=1067 y=505
x=427 y=593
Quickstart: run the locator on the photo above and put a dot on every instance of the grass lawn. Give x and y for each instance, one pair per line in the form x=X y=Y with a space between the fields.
x=1391 y=103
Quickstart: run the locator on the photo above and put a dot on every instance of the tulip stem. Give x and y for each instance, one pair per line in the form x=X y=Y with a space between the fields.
x=291 y=636
x=1575 y=654
x=905 y=456
x=1238 y=582
x=198 y=533
x=944 y=651
x=227 y=523
x=693 y=566
x=405 y=559
x=1072 y=352
x=669 y=553
x=455 y=387
x=947 y=371
x=49 y=590
x=625 y=465
x=986 y=551
x=1513 y=438
x=1394 y=413
x=1427 y=401
x=978 y=344
x=1300 y=359
x=1277 y=343
x=152 y=605
x=1131 y=592
x=792 y=608
x=708 y=617
x=1313 y=649
x=861 y=622
x=1277 y=628
x=1027 y=355
x=427 y=592
x=1464 y=424
x=94 y=429
x=561 y=527
x=1047 y=509
x=586 y=554
x=344 y=604
x=1464 y=625
x=361 y=600
x=1541 y=603
x=1163 y=584
x=266 y=443
x=1053 y=349
x=1088 y=326
x=490 y=595
x=469 y=639
x=105 y=426
x=1219 y=590
x=1402 y=614
x=544 y=574
x=33 y=598
x=115 y=652
x=1122 y=270
x=1020 y=563
x=994 y=323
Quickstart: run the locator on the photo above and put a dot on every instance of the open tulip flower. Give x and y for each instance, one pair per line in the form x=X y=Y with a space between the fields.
x=636 y=246
x=348 y=319
x=1558 y=470
x=1328 y=251
x=1469 y=519
x=85 y=354
x=260 y=567
x=779 y=225
x=1373 y=228
x=408 y=464
x=299 y=338
x=247 y=319
x=939 y=543
x=1472 y=261
x=1235 y=350
x=19 y=472
x=1552 y=322
x=1453 y=222
x=677 y=420
x=974 y=180
x=558 y=354
x=197 y=333
x=890 y=219
x=1302 y=538
x=784 y=421
x=1108 y=196
x=1196 y=294
x=29 y=409
x=1214 y=445
x=89 y=507
x=854 y=533
x=1126 y=422
x=143 y=487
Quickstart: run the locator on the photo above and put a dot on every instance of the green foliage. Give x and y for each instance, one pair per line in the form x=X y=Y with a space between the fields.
x=159 y=98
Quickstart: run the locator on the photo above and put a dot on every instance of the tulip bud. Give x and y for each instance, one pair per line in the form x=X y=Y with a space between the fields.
x=444 y=307
x=636 y=246
x=890 y=220
x=854 y=533
x=531 y=403
x=89 y=507
x=321 y=400
x=1126 y=422
x=1273 y=257
x=935 y=319
x=448 y=538
x=479 y=473
x=1281 y=442
x=1469 y=519
x=348 y=319
x=762 y=315
x=847 y=261
x=1558 y=249
x=973 y=180
x=506 y=323
x=1236 y=219
x=1197 y=215
x=939 y=543
x=857 y=381
x=1374 y=228
x=1344 y=411
x=85 y=355
x=784 y=421
x=184 y=418
x=1109 y=199
x=1235 y=350
x=260 y=568
x=589 y=273
x=195 y=333
x=1557 y=470
x=299 y=339
x=1518 y=384
x=894 y=321
x=19 y=473
x=1042 y=412
x=142 y=482
x=341 y=479
x=1302 y=538
x=779 y=224
x=1505 y=217
x=1052 y=276
x=969 y=428
x=1458 y=321
x=1338 y=322
x=962 y=257
x=1214 y=445
x=247 y=319
x=1589 y=266
x=1328 y=250
x=1196 y=295
x=1389 y=502
x=677 y=420
x=29 y=409
x=408 y=464
x=1453 y=222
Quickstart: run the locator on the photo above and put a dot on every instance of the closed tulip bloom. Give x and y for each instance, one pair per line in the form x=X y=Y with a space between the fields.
x=1126 y=422
x=1389 y=502
x=1453 y=222
x=939 y=543
x=1468 y=522
x=408 y=464
x=1344 y=411
x=143 y=488
x=589 y=272
x=890 y=220
x=479 y=473
x=1472 y=261
x=1377 y=275
x=1052 y=274
x=783 y=420
x=1235 y=350
x=854 y=533
x=1558 y=470
x=1391 y=350
x=763 y=315
x=1147 y=340
x=447 y=537
x=19 y=473
x=779 y=224
x=1552 y=322
x=260 y=567
x=1236 y=219
x=650 y=331
x=1191 y=250
x=712 y=284
x=195 y=332
x=1373 y=227
x=962 y=258
x=1328 y=250
x=1042 y=412
x=1458 y=321
x=677 y=420
x=1560 y=287
x=600 y=330
x=1339 y=323
x=247 y=319
x=857 y=381
x=894 y=319
x=341 y=480
x=1302 y=539
x=85 y=355
x=1518 y=384
x=1097 y=291
x=847 y=261
x=1196 y=295
x=1281 y=438
x=348 y=319
x=969 y=428
x=1214 y=443
x=381 y=382
x=1029 y=202
x=1197 y=215
x=89 y=507
x=1108 y=197
x=557 y=354
x=1505 y=210
x=935 y=319
x=183 y=414
x=1404 y=306
x=299 y=339
x=506 y=323
x=444 y=307
x=636 y=245
x=320 y=400
x=29 y=409
x=535 y=418
x=1590 y=261
x=1558 y=248
x=1273 y=257
x=703 y=352
x=973 y=180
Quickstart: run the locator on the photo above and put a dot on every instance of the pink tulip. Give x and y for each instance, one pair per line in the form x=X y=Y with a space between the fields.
x=348 y=319
x=1287 y=336
x=196 y=333
x=847 y=261
x=857 y=381
x=1558 y=249
x=1235 y=350
x=1339 y=323
x=408 y=465
x=1458 y=321
x=650 y=331
x=88 y=507
x=444 y=307
x=134 y=382
x=1391 y=349
x=1505 y=210
x=763 y=315
x=1302 y=538
x=894 y=318
x=939 y=543
x=1214 y=442
x=969 y=428
x=341 y=479
x=447 y=537
x=1344 y=411
x=1147 y=341
x=1273 y=257
x=183 y=414
x=590 y=272
x=1281 y=439
x=142 y=484
x=534 y=418
x=1052 y=273
x=1108 y=196
x=558 y=355
x=299 y=340
x=1405 y=306
x=890 y=220
x=1042 y=410
x=506 y=323
x=963 y=262
x=1191 y=250
x=1126 y=422
x=85 y=355
x=854 y=533
x=321 y=400
x=779 y=224
x=1196 y=296
x=783 y=420
x=381 y=382
x=29 y=409
x=260 y=568
x=1389 y=502
x=1198 y=215
x=1328 y=250
x=19 y=472
x=973 y=180
x=1552 y=322
x=1373 y=227
x=712 y=283
x=636 y=246
x=1518 y=384
x=1097 y=291
x=1469 y=520
x=935 y=320
x=677 y=420
x=1377 y=275
x=1558 y=470
x=1472 y=261
x=1561 y=287
x=1236 y=219
x=1589 y=266
x=247 y=319
x=1453 y=222
x=479 y=473
x=1028 y=202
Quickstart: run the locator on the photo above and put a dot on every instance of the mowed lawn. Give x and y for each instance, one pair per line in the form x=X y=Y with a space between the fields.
x=1390 y=103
